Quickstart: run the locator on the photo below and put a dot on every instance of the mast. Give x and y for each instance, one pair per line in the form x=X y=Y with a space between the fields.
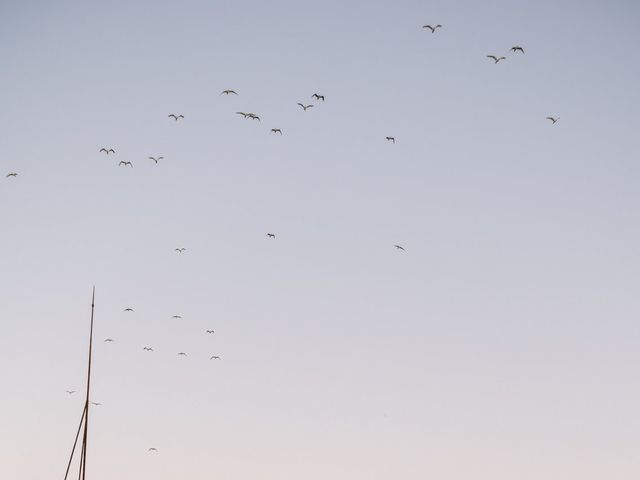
x=84 y=420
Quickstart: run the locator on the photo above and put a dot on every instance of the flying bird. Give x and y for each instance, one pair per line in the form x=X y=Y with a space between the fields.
x=182 y=354
x=156 y=159
x=128 y=310
x=108 y=340
x=516 y=48
x=176 y=316
x=553 y=119
x=214 y=357
x=122 y=162
x=243 y=114
x=210 y=331
x=180 y=250
x=12 y=174
x=227 y=92
x=152 y=449
x=391 y=139
x=175 y=117
x=304 y=107
x=399 y=247
x=70 y=392
x=496 y=59
x=433 y=29
x=147 y=349
x=271 y=235
x=317 y=96
x=253 y=116
x=276 y=130
x=96 y=404
x=107 y=150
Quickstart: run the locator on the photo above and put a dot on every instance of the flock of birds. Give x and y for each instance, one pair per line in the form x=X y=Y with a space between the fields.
x=318 y=97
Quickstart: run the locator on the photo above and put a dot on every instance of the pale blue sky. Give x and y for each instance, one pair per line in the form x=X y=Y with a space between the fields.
x=503 y=343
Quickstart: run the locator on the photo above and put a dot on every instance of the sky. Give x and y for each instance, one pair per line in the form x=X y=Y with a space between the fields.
x=502 y=342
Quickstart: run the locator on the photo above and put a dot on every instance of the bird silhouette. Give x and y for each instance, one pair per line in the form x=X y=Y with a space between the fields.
x=147 y=349
x=182 y=354
x=253 y=116
x=496 y=59
x=304 y=107
x=109 y=340
x=97 y=404
x=107 y=150
x=276 y=130
x=271 y=235
x=399 y=247
x=175 y=117
x=180 y=250
x=433 y=29
x=516 y=48
x=214 y=357
x=123 y=163
x=245 y=115
x=152 y=449
x=391 y=139
x=128 y=310
x=210 y=331
x=553 y=119
x=12 y=174
x=70 y=392
x=317 y=96
x=227 y=92
x=176 y=316
x=156 y=159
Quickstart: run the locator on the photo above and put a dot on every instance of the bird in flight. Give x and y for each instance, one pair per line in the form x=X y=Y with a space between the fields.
x=433 y=29
x=109 y=340
x=122 y=162
x=271 y=235
x=175 y=117
x=156 y=159
x=516 y=48
x=210 y=331
x=243 y=114
x=317 y=96
x=12 y=174
x=227 y=92
x=253 y=116
x=214 y=357
x=97 y=404
x=176 y=316
x=182 y=354
x=128 y=310
x=180 y=250
x=304 y=107
x=70 y=392
x=553 y=119
x=147 y=349
x=152 y=449
x=496 y=59
x=391 y=139
x=276 y=130
x=107 y=150
x=399 y=247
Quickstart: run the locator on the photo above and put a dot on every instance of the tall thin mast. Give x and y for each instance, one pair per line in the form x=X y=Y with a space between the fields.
x=86 y=416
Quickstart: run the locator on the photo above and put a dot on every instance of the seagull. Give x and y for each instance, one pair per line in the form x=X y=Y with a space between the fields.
x=156 y=159
x=253 y=116
x=391 y=139
x=271 y=235
x=182 y=354
x=70 y=392
x=122 y=162
x=152 y=449
x=176 y=316
x=245 y=115
x=227 y=92
x=96 y=404
x=147 y=349
x=175 y=117
x=107 y=150
x=517 y=49
x=433 y=29
x=399 y=247
x=553 y=119
x=496 y=59
x=128 y=310
x=276 y=130
x=210 y=331
x=180 y=250
x=317 y=96
x=215 y=357
x=304 y=107
x=12 y=174
x=108 y=339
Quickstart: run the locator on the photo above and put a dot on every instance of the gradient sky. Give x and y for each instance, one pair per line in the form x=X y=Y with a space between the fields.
x=503 y=343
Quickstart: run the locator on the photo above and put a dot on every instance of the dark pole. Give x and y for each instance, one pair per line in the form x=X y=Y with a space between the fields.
x=75 y=443
x=83 y=458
